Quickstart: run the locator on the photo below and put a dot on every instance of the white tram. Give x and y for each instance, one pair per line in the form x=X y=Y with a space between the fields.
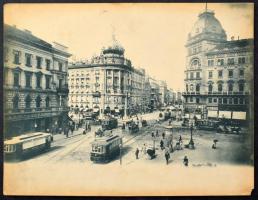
x=105 y=148
x=18 y=146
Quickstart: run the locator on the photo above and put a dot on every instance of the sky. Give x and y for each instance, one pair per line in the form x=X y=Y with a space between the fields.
x=153 y=35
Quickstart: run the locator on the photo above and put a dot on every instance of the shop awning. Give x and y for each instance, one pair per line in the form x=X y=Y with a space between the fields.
x=239 y=115
x=212 y=113
x=198 y=116
x=225 y=114
x=117 y=110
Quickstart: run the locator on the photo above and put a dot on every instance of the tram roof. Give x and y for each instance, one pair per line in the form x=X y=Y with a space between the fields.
x=105 y=139
x=24 y=137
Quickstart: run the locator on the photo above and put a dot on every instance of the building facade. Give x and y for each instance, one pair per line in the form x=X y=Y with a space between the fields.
x=218 y=75
x=35 y=83
x=107 y=83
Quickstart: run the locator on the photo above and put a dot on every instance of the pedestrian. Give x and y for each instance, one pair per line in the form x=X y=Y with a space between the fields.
x=66 y=131
x=180 y=139
x=152 y=134
x=167 y=156
x=161 y=144
x=157 y=133
x=163 y=135
x=185 y=161
x=137 y=153
x=144 y=150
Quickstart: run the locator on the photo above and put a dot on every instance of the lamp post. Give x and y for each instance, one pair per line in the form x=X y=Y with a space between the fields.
x=191 y=143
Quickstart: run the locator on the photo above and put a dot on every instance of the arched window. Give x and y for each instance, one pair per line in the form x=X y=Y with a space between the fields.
x=38 y=100
x=47 y=102
x=230 y=87
x=197 y=88
x=195 y=63
x=27 y=101
x=220 y=87
x=16 y=102
x=241 y=87
x=210 y=88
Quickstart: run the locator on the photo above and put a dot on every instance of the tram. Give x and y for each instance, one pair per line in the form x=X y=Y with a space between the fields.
x=109 y=123
x=105 y=148
x=18 y=146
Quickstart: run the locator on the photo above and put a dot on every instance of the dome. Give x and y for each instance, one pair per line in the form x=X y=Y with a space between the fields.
x=114 y=47
x=207 y=23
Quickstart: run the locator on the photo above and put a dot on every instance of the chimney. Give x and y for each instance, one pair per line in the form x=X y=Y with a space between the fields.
x=232 y=38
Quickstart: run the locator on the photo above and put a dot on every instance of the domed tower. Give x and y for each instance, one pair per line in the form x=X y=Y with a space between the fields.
x=113 y=52
x=206 y=33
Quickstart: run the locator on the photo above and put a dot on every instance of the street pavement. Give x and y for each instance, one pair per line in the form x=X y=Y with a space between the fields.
x=231 y=149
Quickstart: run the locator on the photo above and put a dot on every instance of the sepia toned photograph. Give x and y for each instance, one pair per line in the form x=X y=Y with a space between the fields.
x=128 y=99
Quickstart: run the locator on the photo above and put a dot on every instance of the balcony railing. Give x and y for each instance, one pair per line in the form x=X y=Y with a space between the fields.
x=29 y=110
x=216 y=93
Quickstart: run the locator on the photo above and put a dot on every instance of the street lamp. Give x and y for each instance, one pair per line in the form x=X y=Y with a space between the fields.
x=191 y=143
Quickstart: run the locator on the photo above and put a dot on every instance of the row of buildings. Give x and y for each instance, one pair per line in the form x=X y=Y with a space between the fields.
x=219 y=72
x=110 y=83
x=40 y=87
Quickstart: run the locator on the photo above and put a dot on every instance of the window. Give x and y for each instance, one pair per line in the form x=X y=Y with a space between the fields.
x=191 y=87
x=241 y=101
x=27 y=101
x=214 y=100
x=16 y=79
x=60 y=83
x=230 y=101
x=197 y=100
x=197 y=88
x=210 y=62
x=210 y=88
x=230 y=73
x=60 y=66
x=48 y=78
x=241 y=60
x=191 y=75
x=38 y=80
x=224 y=100
x=241 y=73
x=210 y=100
x=191 y=99
x=16 y=58
x=220 y=100
x=230 y=87
x=47 y=64
x=220 y=62
x=241 y=87
x=231 y=61
x=47 y=102
x=235 y=100
x=38 y=100
x=28 y=79
x=220 y=73
x=39 y=60
x=197 y=74
x=210 y=74
x=220 y=87
x=28 y=59
x=16 y=102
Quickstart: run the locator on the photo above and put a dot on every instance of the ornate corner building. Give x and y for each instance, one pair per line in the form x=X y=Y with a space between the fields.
x=108 y=83
x=219 y=73
x=35 y=83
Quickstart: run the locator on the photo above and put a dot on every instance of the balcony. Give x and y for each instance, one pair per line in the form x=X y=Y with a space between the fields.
x=216 y=93
x=96 y=94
